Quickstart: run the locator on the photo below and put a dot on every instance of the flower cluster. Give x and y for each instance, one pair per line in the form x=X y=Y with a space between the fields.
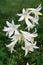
x=26 y=36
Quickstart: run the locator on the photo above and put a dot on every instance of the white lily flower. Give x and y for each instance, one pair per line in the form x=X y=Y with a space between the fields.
x=29 y=47
x=25 y=16
x=29 y=36
x=11 y=46
x=27 y=63
x=16 y=36
x=11 y=28
x=14 y=39
x=35 y=11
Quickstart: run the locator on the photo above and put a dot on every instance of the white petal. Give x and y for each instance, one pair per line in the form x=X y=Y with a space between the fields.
x=39 y=7
x=35 y=42
x=35 y=31
x=17 y=26
x=30 y=9
x=13 y=22
x=23 y=11
x=30 y=17
x=36 y=19
x=17 y=32
x=21 y=18
x=36 y=47
x=23 y=48
x=13 y=38
x=28 y=22
x=27 y=63
x=26 y=43
x=5 y=29
x=26 y=52
x=19 y=14
x=7 y=33
x=10 y=33
x=8 y=24
x=33 y=35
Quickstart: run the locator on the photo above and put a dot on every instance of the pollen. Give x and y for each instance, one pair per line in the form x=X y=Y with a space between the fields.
x=32 y=39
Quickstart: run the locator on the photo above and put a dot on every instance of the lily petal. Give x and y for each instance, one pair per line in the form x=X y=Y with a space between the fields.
x=21 y=18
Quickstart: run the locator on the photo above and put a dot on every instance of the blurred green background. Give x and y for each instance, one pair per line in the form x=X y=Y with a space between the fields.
x=8 y=11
